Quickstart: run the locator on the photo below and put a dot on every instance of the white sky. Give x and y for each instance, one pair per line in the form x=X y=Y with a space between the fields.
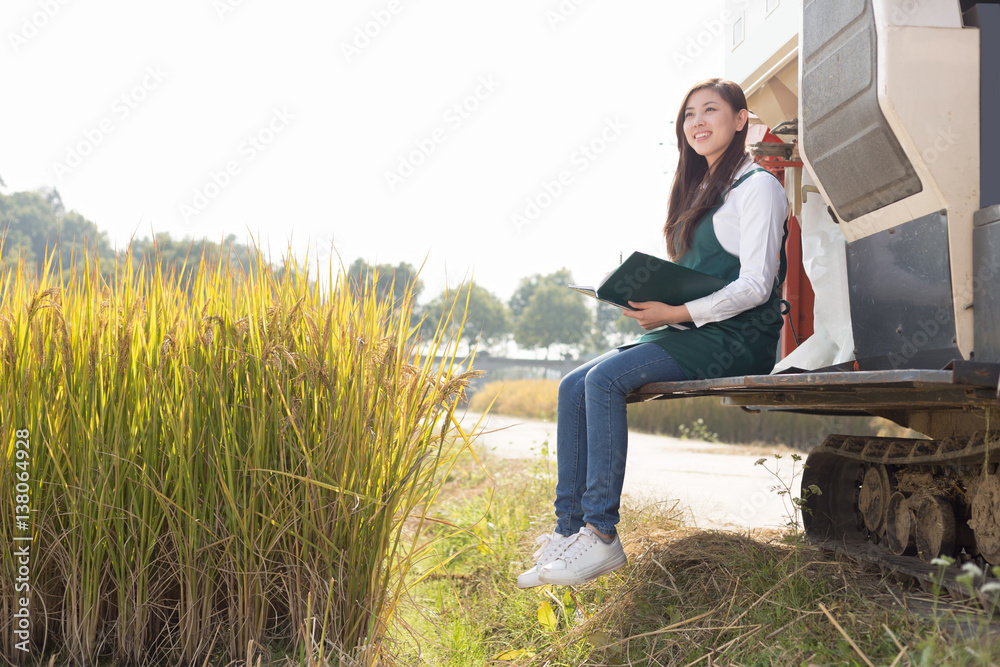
x=131 y=108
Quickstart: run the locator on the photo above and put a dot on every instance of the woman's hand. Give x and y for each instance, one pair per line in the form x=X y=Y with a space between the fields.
x=653 y=314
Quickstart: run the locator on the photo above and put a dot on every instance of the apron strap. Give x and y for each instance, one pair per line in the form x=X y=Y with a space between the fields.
x=744 y=177
x=783 y=263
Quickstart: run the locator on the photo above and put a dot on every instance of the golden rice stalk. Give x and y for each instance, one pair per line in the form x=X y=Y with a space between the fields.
x=208 y=456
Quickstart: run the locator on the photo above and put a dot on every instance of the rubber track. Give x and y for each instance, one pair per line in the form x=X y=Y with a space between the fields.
x=832 y=520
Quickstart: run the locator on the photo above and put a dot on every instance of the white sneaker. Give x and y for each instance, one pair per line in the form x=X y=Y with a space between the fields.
x=551 y=546
x=584 y=557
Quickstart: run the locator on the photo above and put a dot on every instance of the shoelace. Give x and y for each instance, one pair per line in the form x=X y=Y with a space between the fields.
x=547 y=546
x=578 y=544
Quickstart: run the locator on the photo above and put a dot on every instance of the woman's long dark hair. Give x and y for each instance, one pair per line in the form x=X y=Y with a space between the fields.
x=688 y=201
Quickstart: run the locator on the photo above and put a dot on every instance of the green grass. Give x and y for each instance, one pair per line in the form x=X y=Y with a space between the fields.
x=687 y=597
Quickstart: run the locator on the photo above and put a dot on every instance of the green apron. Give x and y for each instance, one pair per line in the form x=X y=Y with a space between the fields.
x=745 y=344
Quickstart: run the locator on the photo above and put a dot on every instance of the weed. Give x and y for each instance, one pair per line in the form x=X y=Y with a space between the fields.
x=697 y=431
x=794 y=506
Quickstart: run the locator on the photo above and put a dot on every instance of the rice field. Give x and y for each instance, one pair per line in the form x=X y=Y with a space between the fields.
x=239 y=468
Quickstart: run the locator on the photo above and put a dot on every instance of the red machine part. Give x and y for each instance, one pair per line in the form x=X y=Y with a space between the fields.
x=798 y=290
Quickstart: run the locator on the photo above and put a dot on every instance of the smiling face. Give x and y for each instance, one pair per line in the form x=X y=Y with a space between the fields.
x=710 y=123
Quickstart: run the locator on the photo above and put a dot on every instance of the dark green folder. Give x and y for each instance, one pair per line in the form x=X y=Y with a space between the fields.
x=643 y=277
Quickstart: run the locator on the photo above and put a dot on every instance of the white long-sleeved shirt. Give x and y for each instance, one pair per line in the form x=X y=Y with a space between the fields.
x=749 y=227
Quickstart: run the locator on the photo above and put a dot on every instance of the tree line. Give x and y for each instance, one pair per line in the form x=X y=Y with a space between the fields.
x=35 y=225
x=541 y=314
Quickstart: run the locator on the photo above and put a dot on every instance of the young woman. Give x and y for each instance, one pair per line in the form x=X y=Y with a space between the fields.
x=726 y=218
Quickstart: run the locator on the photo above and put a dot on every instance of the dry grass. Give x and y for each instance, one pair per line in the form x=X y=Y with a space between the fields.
x=693 y=595
x=532 y=399
x=686 y=597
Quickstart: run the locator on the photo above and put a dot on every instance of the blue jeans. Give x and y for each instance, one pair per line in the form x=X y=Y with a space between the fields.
x=592 y=433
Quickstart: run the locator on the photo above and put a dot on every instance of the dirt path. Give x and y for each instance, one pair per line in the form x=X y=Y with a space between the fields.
x=717 y=486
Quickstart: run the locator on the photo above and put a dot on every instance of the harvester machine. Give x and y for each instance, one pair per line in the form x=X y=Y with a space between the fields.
x=882 y=118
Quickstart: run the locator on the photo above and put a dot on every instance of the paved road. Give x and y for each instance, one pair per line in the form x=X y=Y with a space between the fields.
x=717 y=486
